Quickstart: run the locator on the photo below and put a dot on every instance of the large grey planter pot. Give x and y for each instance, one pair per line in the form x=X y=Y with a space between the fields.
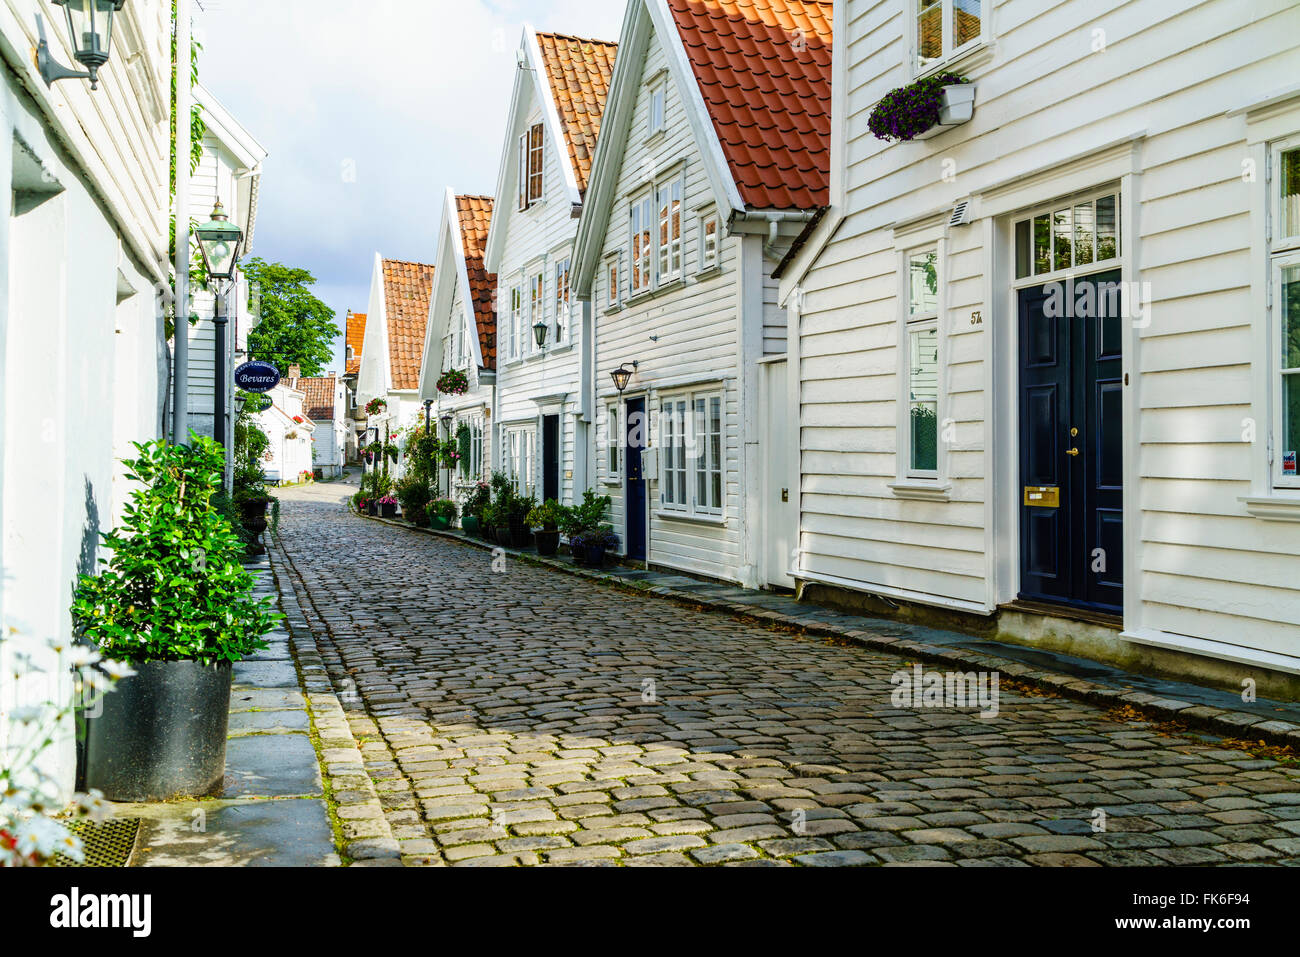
x=162 y=733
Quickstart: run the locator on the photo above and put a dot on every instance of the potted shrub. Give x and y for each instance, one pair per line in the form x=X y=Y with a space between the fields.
x=583 y=519
x=590 y=548
x=472 y=515
x=923 y=109
x=173 y=603
x=413 y=494
x=387 y=506
x=545 y=518
x=443 y=513
x=517 y=514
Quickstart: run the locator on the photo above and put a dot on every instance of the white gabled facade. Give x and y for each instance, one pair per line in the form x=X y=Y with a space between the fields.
x=1166 y=144
x=461 y=334
x=542 y=430
x=83 y=268
x=288 y=459
x=703 y=326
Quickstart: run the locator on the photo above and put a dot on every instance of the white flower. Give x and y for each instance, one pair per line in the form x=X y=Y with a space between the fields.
x=116 y=669
x=29 y=715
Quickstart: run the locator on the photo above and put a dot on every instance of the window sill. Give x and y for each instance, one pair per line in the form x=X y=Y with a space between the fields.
x=1274 y=508
x=922 y=491
x=614 y=481
x=709 y=272
x=610 y=310
x=961 y=63
x=670 y=286
x=666 y=514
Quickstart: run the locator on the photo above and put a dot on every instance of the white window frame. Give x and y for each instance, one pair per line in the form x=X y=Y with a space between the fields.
x=641 y=224
x=613 y=442
x=669 y=206
x=519 y=457
x=686 y=454
x=563 y=273
x=949 y=53
x=1278 y=373
x=656 y=119
x=910 y=324
x=536 y=305
x=532 y=144
x=614 y=286
x=476 y=448
x=710 y=255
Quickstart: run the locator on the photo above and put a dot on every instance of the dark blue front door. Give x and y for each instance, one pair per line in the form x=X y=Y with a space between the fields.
x=635 y=498
x=1072 y=443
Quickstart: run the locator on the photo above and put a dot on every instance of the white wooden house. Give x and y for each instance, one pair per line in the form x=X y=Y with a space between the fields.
x=230 y=172
x=1115 y=477
x=393 y=347
x=462 y=335
x=325 y=404
x=542 y=427
x=288 y=426
x=699 y=186
x=83 y=353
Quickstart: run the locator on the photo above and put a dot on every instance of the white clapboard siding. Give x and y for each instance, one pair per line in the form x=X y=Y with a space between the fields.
x=1208 y=568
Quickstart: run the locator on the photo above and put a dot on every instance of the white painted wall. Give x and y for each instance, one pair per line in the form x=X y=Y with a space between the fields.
x=1158 y=111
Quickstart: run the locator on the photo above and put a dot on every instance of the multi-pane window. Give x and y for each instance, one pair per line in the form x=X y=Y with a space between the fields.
x=532 y=158
x=642 y=254
x=923 y=363
x=563 y=302
x=708 y=453
x=514 y=324
x=1284 y=256
x=670 y=231
x=519 y=459
x=536 y=307
x=693 y=453
x=1078 y=234
x=944 y=28
x=708 y=241
x=613 y=442
x=476 y=447
x=672 y=485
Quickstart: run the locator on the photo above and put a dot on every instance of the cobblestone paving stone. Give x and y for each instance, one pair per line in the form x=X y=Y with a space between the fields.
x=527 y=717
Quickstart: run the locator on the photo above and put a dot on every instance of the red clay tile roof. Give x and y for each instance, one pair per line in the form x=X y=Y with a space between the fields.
x=764 y=70
x=356 y=337
x=407 y=289
x=475 y=221
x=319 y=404
x=579 y=72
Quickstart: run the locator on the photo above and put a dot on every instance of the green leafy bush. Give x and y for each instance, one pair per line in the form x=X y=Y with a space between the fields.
x=587 y=517
x=173 y=588
x=444 y=508
x=547 y=515
x=413 y=494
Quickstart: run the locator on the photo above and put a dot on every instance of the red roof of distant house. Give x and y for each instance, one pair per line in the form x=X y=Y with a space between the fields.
x=355 y=339
x=764 y=70
x=407 y=289
x=475 y=220
x=320 y=391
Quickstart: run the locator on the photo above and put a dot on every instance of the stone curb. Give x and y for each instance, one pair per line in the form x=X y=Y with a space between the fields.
x=1221 y=721
x=355 y=803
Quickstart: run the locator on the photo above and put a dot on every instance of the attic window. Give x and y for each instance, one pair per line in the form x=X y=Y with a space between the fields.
x=531 y=164
x=655 y=108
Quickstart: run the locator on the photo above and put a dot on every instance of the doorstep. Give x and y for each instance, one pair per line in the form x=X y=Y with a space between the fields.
x=1210 y=709
x=273 y=809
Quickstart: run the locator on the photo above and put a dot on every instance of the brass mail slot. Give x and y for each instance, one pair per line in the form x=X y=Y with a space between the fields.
x=1043 y=496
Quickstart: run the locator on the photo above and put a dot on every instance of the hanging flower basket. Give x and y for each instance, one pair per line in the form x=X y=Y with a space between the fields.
x=454 y=382
x=923 y=109
x=376 y=406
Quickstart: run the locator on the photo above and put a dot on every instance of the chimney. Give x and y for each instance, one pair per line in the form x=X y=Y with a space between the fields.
x=295 y=371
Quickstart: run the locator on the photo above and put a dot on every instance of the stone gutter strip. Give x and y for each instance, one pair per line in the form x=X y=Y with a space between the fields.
x=1219 y=721
x=368 y=838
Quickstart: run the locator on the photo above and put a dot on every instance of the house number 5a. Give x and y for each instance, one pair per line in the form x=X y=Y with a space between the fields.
x=977 y=318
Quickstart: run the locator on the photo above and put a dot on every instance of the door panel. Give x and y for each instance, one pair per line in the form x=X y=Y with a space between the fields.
x=635 y=432
x=1072 y=444
x=551 y=454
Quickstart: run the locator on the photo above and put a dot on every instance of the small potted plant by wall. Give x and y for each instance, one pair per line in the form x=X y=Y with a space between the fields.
x=521 y=535
x=594 y=546
x=545 y=520
x=472 y=516
x=413 y=494
x=387 y=506
x=923 y=109
x=443 y=513
x=173 y=602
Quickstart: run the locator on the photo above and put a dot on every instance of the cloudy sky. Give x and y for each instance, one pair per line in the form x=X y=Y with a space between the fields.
x=370 y=109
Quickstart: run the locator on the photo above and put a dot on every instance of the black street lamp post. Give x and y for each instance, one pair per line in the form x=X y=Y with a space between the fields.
x=219 y=241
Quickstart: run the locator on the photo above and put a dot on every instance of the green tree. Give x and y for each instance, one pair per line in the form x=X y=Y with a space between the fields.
x=295 y=326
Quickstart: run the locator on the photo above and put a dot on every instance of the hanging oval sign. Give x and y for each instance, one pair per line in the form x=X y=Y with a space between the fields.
x=257 y=377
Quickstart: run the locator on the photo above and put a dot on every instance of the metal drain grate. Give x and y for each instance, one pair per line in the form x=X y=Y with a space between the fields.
x=108 y=844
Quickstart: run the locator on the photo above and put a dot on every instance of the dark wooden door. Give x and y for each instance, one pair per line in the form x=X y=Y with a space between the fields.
x=551 y=455
x=635 y=496
x=1072 y=443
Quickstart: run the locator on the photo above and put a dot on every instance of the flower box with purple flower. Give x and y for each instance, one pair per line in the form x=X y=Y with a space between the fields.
x=923 y=109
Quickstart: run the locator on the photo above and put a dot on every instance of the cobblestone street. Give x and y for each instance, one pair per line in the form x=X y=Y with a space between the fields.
x=526 y=716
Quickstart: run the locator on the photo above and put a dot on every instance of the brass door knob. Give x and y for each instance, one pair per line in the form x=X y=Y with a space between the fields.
x=1071 y=451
